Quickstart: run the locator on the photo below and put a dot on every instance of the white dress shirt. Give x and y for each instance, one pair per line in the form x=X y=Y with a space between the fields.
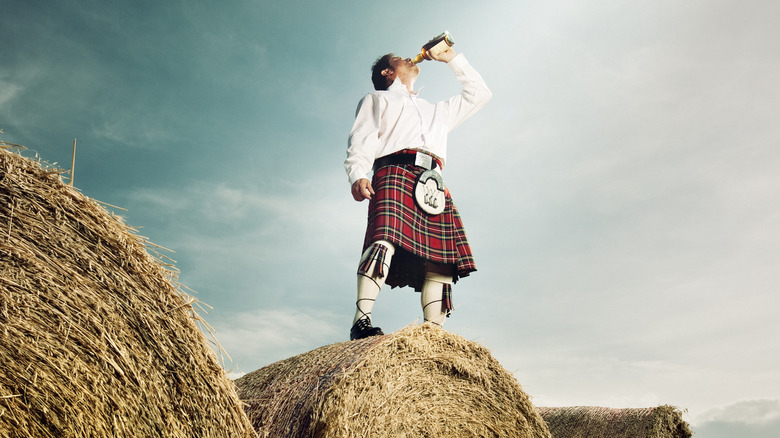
x=392 y=120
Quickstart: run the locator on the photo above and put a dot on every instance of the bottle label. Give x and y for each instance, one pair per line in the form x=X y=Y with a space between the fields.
x=438 y=48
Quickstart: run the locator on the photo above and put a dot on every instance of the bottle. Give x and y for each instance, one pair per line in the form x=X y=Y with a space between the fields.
x=434 y=47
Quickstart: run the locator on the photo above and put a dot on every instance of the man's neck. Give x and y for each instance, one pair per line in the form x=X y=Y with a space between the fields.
x=409 y=85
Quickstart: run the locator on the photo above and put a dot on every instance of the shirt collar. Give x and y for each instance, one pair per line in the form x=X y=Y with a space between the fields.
x=399 y=86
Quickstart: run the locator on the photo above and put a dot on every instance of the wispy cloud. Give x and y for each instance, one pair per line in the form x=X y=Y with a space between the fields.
x=266 y=335
x=8 y=91
x=748 y=418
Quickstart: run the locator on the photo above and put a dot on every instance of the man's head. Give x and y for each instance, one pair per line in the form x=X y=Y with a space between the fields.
x=388 y=67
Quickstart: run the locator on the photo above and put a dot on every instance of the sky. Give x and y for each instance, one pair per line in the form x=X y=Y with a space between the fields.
x=619 y=191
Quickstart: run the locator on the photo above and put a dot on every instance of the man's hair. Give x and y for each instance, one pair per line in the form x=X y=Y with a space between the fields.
x=381 y=63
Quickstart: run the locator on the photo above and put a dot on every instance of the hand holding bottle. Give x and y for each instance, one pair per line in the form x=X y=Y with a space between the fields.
x=444 y=56
x=436 y=48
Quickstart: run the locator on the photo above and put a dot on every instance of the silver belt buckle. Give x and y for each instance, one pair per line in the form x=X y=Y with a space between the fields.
x=423 y=160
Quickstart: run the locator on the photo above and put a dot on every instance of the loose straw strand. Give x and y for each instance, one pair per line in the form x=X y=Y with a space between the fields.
x=73 y=163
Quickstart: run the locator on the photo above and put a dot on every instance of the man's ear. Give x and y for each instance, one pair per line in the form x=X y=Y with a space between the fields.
x=387 y=72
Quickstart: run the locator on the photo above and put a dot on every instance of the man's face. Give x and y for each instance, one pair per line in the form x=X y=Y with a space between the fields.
x=403 y=69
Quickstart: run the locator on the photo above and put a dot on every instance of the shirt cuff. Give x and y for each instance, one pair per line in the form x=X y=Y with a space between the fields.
x=458 y=62
x=356 y=176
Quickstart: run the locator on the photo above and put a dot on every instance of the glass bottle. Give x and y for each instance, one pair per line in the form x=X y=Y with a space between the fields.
x=434 y=47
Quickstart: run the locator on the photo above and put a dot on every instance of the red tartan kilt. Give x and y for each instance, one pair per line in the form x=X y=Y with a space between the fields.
x=394 y=216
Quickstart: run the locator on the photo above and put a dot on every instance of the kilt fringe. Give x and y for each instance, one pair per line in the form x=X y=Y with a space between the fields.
x=446 y=299
x=377 y=253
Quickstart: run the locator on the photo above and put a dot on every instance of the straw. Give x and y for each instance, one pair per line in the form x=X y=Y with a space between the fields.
x=419 y=382
x=96 y=339
x=588 y=421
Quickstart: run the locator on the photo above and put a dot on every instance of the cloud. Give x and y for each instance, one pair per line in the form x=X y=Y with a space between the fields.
x=277 y=210
x=8 y=91
x=268 y=244
x=265 y=335
x=749 y=418
x=141 y=129
x=747 y=411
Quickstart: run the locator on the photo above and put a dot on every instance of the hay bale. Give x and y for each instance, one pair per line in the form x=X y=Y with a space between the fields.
x=588 y=421
x=419 y=382
x=95 y=337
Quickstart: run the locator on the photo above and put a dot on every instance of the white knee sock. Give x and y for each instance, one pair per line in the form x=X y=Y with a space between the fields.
x=432 y=297
x=374 y=266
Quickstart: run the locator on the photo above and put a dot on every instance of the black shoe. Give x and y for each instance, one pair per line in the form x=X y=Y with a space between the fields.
x=363 y=329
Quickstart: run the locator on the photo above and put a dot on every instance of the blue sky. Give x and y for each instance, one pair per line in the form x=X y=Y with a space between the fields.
x=619 y=191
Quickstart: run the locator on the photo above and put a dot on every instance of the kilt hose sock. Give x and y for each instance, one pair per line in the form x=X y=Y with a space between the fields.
x=435 y=296
x=372 y=272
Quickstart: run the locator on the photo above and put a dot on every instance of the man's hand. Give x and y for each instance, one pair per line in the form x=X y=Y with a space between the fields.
x=362 y=189
x=445 y=55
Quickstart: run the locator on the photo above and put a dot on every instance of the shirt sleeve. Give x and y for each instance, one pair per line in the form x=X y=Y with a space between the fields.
x=363 y=139
x=474 y=95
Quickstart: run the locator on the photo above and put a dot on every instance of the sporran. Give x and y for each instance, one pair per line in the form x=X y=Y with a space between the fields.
x=429 y=192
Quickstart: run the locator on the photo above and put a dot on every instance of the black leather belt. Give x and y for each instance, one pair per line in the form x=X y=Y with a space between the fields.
x=401 y=159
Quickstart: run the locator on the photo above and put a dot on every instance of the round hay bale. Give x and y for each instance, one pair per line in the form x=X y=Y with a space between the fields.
x=95 y=337
x=418 y=382
x=587 y=421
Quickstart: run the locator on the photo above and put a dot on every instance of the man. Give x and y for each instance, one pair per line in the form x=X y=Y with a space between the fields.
x=401 y=137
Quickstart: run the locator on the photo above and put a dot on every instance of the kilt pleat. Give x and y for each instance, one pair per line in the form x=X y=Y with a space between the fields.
x=394 y=216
